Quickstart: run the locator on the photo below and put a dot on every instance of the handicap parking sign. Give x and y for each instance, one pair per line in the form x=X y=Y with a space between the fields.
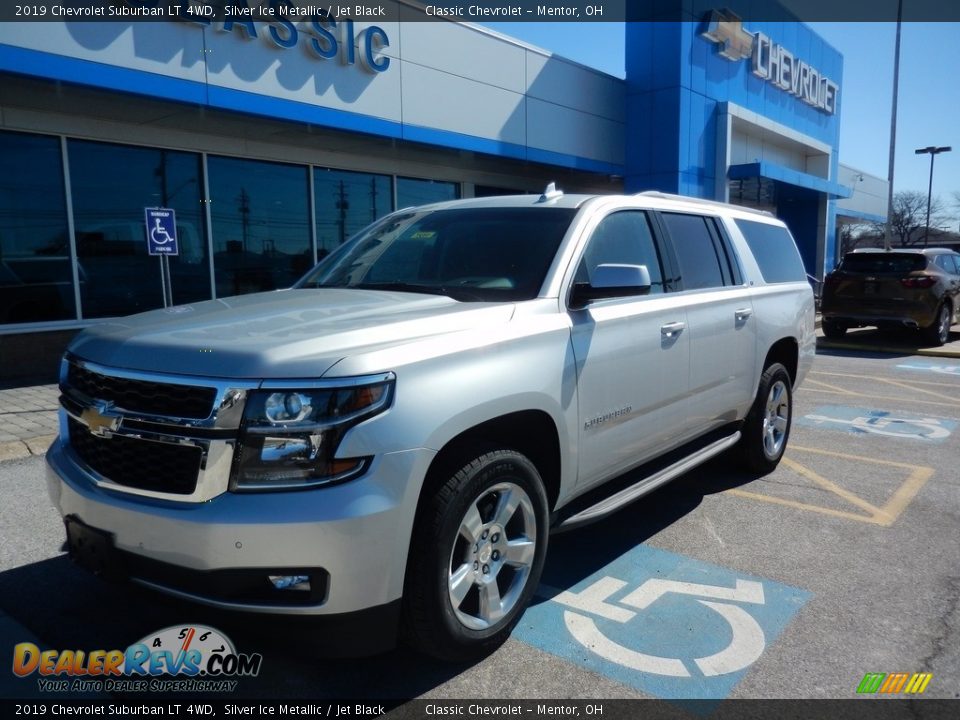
x=161 y=231
x=664 y=624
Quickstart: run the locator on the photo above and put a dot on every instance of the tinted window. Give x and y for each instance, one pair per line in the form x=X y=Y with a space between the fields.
x=112 y=184
x=261 y=226
x=479 y=254
x=412 y=192
x=948 y=263
x=699 y=257
x=774 y=250
x=346 y=202
x=623 y=238
x=882 y=262
x=36 y=278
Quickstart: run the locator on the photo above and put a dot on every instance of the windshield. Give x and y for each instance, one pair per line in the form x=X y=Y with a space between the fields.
x=469 y=254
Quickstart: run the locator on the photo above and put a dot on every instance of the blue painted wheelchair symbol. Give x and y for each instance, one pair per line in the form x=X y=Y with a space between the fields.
x=161 y=226
x=661 y=623
x=934 y=367
x=860 y=421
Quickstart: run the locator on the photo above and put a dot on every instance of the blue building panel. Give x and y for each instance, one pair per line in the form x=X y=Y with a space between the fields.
x=716 y=69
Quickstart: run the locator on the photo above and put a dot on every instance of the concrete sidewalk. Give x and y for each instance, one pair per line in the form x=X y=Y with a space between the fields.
x=28 y=420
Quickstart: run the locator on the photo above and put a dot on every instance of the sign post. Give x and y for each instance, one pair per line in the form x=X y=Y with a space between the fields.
x=161 y=226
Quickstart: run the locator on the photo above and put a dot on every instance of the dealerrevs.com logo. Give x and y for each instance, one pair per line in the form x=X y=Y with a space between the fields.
x=181 y=658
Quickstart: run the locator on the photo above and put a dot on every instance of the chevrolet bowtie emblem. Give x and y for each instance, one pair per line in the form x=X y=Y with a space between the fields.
x=99 y=420
x=726 y=29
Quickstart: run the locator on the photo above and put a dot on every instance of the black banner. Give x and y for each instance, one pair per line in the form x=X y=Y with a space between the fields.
x=206 y=11
x=178 y=707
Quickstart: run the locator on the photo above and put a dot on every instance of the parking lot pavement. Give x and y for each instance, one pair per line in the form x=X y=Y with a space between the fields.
x=891 y=341
x=841 y=563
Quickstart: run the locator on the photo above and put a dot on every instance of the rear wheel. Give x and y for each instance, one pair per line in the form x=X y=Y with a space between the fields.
x=938 y=333
x=833 y=330
x=478 y=549
x=767 y=427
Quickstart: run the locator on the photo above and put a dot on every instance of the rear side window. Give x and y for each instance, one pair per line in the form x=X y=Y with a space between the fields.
x=702 y=259
x=774 y=250
x=948 y=263
x=883 y=262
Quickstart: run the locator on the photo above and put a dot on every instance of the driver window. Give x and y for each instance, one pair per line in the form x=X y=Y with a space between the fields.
x=622 y=238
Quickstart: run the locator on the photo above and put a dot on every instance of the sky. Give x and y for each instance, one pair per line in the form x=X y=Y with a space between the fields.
x=929 y=94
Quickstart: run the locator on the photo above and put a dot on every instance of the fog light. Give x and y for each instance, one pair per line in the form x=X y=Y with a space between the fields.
x=290 y=582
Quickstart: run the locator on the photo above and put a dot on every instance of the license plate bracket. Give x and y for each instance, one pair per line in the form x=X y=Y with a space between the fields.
x=92 y=549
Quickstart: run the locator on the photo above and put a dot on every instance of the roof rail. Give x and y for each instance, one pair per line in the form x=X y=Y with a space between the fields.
x=701 y=201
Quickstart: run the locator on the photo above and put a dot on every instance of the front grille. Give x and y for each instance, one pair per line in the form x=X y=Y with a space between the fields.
x=142 y=464
x=143 y=396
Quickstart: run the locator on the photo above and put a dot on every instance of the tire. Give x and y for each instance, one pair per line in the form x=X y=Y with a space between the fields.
x=766 y=429
x=478 y=548
x=938 y=333
x=832 y=330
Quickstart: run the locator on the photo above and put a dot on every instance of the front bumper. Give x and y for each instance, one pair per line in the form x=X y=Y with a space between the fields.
x=356 y=535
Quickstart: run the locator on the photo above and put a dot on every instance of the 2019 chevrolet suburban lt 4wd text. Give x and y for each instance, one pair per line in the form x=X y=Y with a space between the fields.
x=390 y=442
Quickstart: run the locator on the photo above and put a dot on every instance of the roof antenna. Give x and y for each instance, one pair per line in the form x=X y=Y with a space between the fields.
x=551 y=193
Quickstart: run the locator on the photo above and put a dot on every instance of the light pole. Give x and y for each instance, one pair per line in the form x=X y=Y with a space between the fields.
x=933 y=151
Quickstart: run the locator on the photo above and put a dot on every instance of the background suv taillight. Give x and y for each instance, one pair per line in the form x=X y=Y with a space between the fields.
x=923 y=282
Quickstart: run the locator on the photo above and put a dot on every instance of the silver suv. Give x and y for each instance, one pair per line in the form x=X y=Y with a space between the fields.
x=390 y=442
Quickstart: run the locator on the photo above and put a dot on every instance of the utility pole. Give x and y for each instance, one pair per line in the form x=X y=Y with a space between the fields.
x=933 y=152
x=888 y=231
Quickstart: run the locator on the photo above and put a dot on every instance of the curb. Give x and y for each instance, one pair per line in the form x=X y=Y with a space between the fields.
x=17 y=449
x=944 y=352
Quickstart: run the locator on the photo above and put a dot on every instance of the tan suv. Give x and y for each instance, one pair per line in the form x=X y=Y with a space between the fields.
x=913 y=288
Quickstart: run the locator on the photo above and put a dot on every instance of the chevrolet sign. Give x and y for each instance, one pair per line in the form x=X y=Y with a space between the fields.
x=771 y=61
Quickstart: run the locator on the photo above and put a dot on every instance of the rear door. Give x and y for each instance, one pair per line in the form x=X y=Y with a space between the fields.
x=722 y=329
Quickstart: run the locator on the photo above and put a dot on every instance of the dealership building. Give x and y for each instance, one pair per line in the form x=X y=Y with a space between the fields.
x=273 y=141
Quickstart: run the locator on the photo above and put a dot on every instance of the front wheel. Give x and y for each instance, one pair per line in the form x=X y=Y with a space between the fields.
x=767 y=427
x=479 y=545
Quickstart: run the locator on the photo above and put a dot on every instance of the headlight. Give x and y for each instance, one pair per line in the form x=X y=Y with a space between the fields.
x=289 y=437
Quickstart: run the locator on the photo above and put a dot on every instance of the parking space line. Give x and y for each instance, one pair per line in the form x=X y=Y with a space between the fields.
x=833 y=388
x=883 y=516
x=885 y=398
x=875 y=377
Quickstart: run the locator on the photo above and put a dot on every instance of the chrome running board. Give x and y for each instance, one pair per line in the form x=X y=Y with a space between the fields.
x=646 y=484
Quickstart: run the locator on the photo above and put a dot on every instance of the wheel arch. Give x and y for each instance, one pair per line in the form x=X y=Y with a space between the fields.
x=530 y=432
x=785 y=351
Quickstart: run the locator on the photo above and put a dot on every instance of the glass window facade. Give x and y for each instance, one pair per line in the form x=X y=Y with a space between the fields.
x=111 y=186
x=261 y=224
x=36 y=276
x=345 y=203
x=412 y=191
x=258 y=235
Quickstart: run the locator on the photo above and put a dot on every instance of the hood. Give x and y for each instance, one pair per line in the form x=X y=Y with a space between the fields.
x=282 y=334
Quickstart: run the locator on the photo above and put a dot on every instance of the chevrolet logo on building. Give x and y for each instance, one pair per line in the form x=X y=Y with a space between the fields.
x=99 y=420
x=726 y=29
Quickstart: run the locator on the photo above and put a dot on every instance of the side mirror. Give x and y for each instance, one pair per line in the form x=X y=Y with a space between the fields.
x=611 y=281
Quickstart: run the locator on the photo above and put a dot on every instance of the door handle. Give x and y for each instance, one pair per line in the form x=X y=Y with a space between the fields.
x=742 y=314
x=671 y=329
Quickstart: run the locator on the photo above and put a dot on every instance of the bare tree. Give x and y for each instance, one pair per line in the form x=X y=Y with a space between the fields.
x=854 y=235
x=909 y=217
